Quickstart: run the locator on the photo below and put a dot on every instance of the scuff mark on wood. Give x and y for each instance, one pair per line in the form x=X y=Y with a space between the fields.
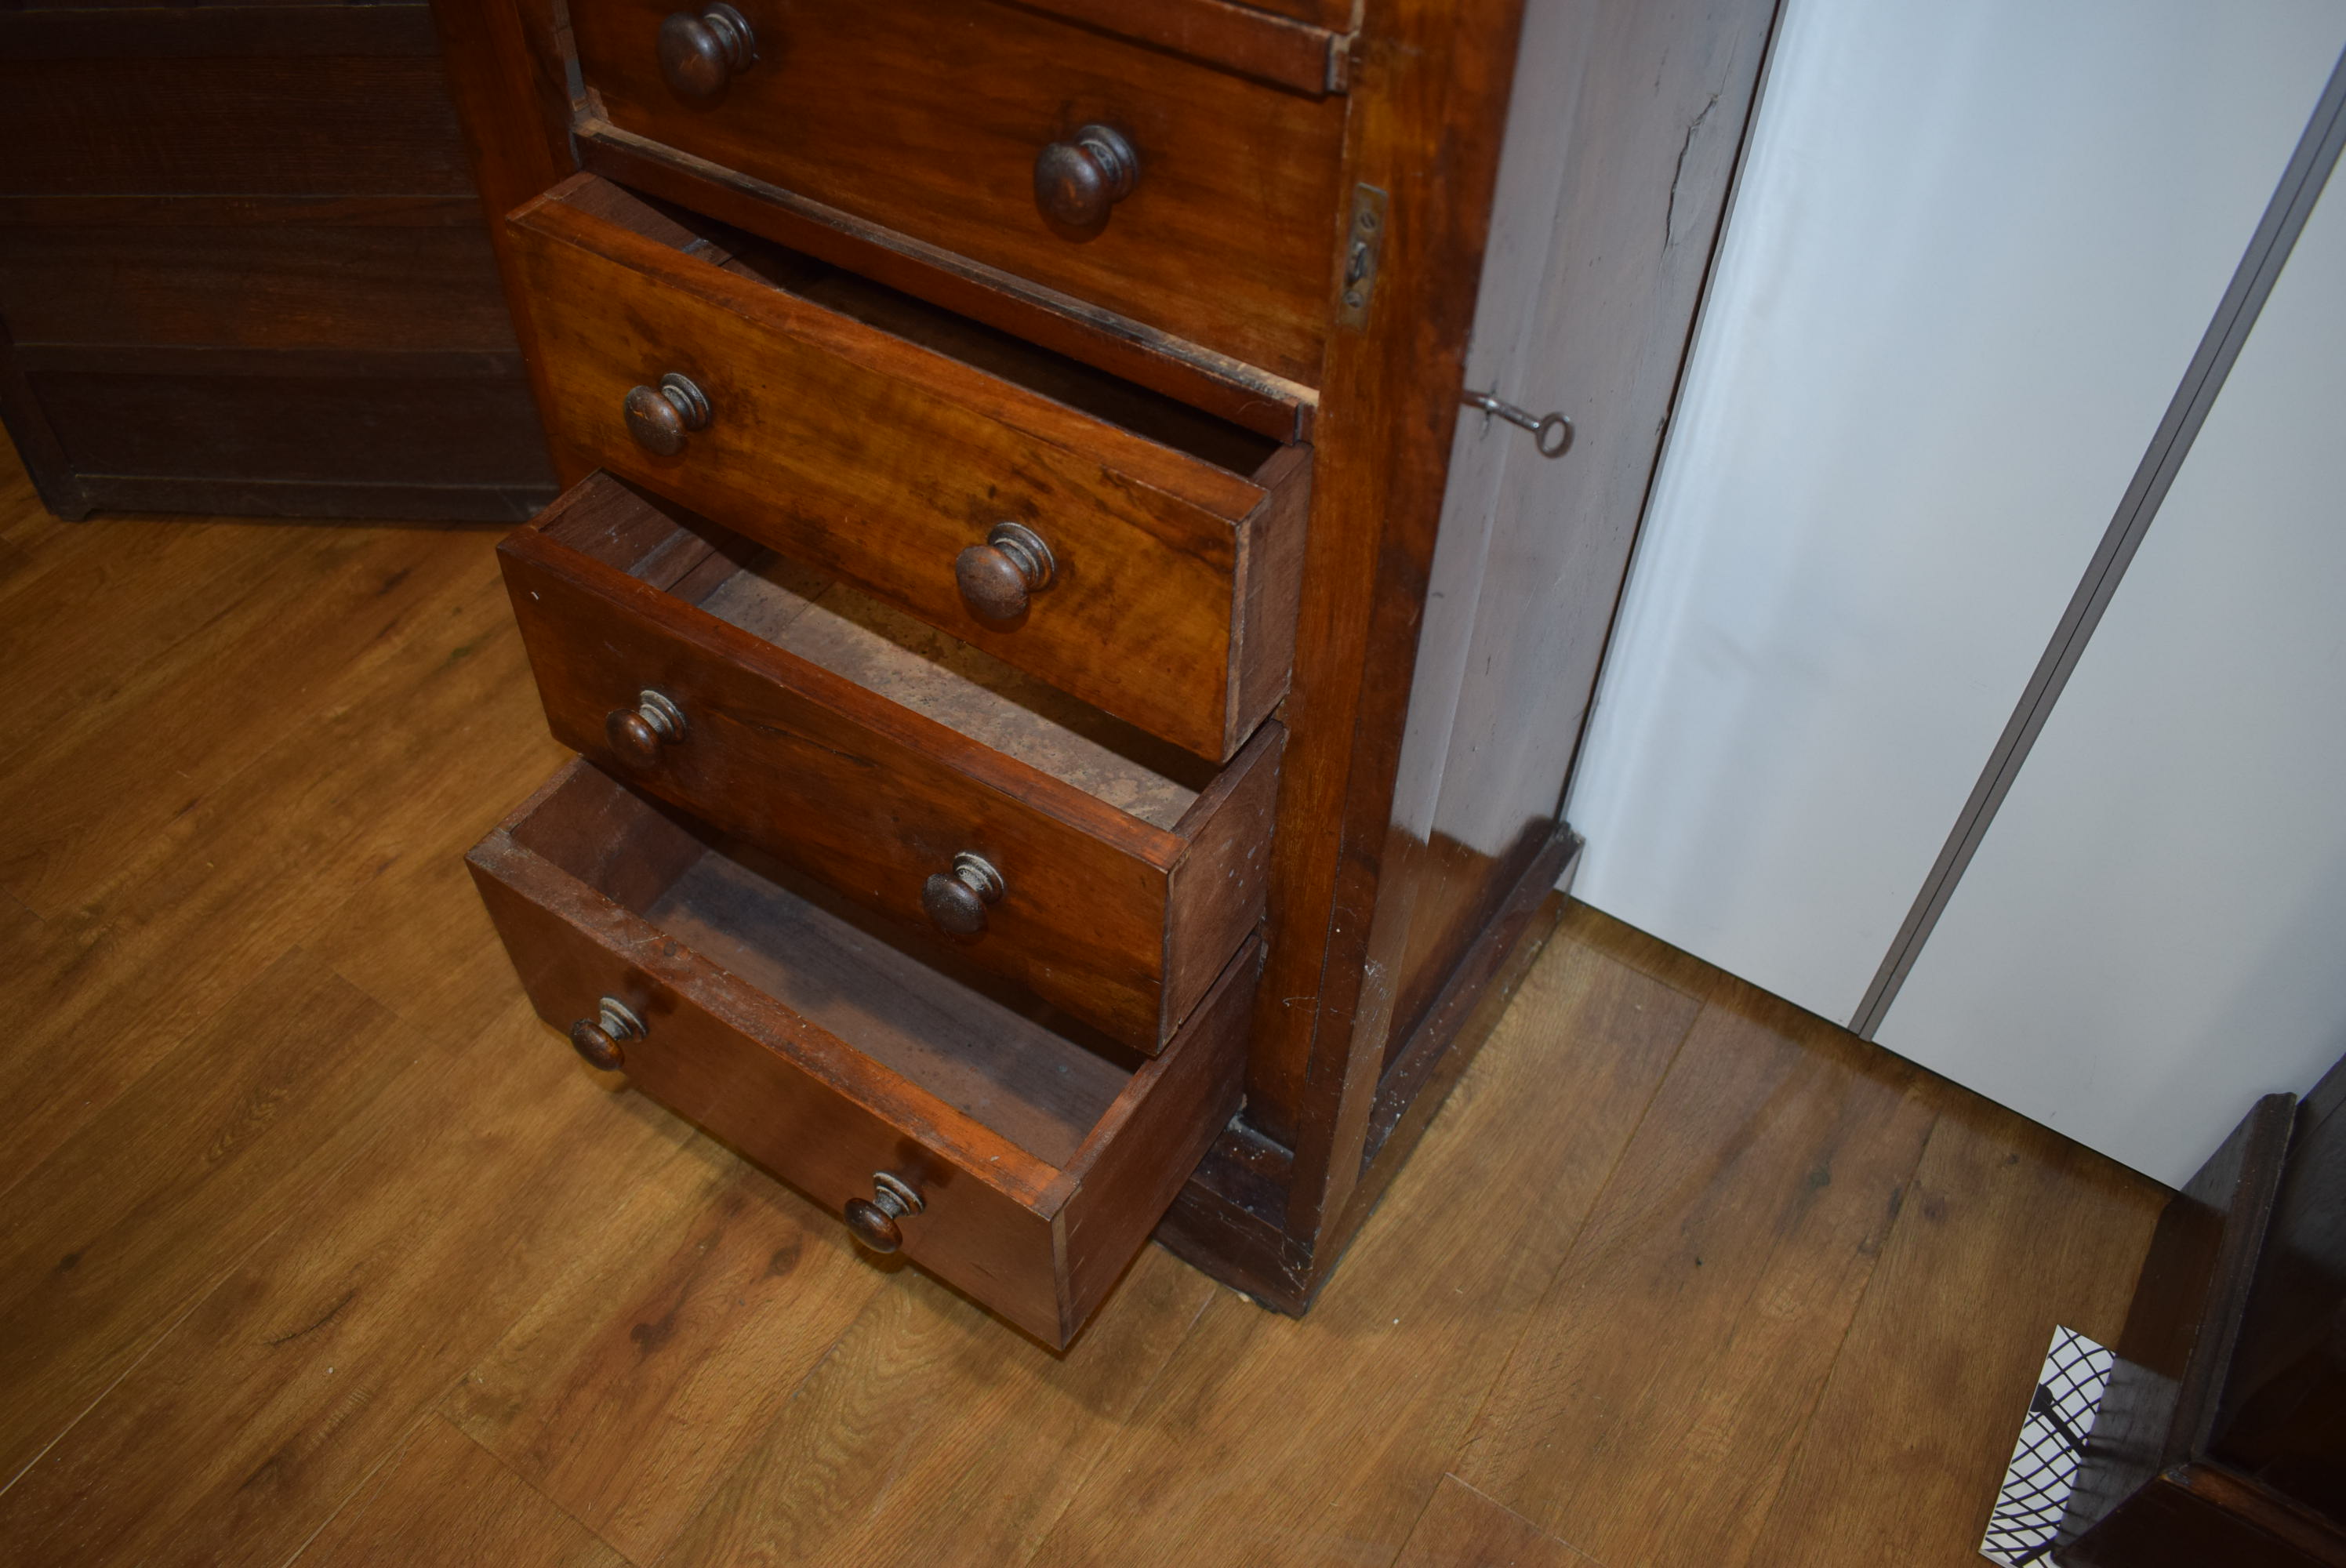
x=331 y=1313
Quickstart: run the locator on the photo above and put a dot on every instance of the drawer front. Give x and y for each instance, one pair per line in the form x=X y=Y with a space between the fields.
x=1124 y=924
x=1170 y=601
x=928 y=117
x=713 y=1055
x=1040 y=1241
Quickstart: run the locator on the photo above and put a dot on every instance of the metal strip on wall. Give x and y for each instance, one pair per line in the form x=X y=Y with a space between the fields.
x=2268 y=252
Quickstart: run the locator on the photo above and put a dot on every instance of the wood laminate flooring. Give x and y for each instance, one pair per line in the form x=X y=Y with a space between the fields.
x=316 y=1247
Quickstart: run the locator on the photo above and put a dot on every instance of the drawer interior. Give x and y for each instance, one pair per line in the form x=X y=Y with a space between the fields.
x=830 y=1049
x=915 y=666
x=885 y=652
x=1081 y=387
x=1022 y=1070
x=880 y=439
x=874 y=752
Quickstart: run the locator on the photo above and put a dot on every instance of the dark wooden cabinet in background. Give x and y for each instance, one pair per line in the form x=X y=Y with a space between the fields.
x=243 y=268
x=2222 y=1437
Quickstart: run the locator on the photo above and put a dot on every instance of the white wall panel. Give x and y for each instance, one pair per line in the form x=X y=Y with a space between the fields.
x=2153 y=931
x=1973 y=252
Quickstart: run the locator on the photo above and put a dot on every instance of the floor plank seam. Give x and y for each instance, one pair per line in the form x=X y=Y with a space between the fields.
x=202 y=1290
x=1139 y=1401
x=1417 y=1520
x=169 y=655
x=1580 y=1230
x=1799 y=1443
x=685 y=1530
x=196 y=1298
x=196 y=1020
x=437 y=1410
x=1702 y=998
x=210 y=1285
x=390 y=1452
x=292 y=722
x=1578 y=1550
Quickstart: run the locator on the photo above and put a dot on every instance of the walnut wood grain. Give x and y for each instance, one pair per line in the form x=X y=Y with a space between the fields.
x=507 y=73
x=1119 y=1183
x=1220 y=883
x=2193 y=1514
x=873 y=796
x=1270 y=570
x=984 y=1059
x=792 y=1096
x=1230 y=1220
x=273 y=124
x=926 y=116
x=978 y=698
x=880 y=460
x=1389 y=408
x=1227 y=388
x=826 y=1056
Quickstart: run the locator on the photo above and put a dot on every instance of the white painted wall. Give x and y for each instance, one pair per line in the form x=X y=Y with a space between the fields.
x=2154 y=929
x=1974 y=250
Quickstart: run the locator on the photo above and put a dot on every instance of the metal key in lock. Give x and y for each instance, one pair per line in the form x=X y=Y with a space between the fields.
x=1552 y=433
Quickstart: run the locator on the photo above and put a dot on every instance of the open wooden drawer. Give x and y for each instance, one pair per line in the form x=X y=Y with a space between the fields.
x=1108 y=872
x=999 y=1146
x=1127 y=549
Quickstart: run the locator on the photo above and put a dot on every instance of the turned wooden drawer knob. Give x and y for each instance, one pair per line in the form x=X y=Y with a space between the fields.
x=1077 y=181
x=956 y=900
x=638 y=733
x=875 y=1222
x=599 y=1038
x=660 y=417
x=998 y=577
x=698 y=54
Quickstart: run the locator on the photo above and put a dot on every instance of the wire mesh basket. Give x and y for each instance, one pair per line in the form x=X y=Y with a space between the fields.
x=2026 y=1521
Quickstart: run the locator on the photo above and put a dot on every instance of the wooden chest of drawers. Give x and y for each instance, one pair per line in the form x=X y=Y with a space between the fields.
x=1071 y=719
